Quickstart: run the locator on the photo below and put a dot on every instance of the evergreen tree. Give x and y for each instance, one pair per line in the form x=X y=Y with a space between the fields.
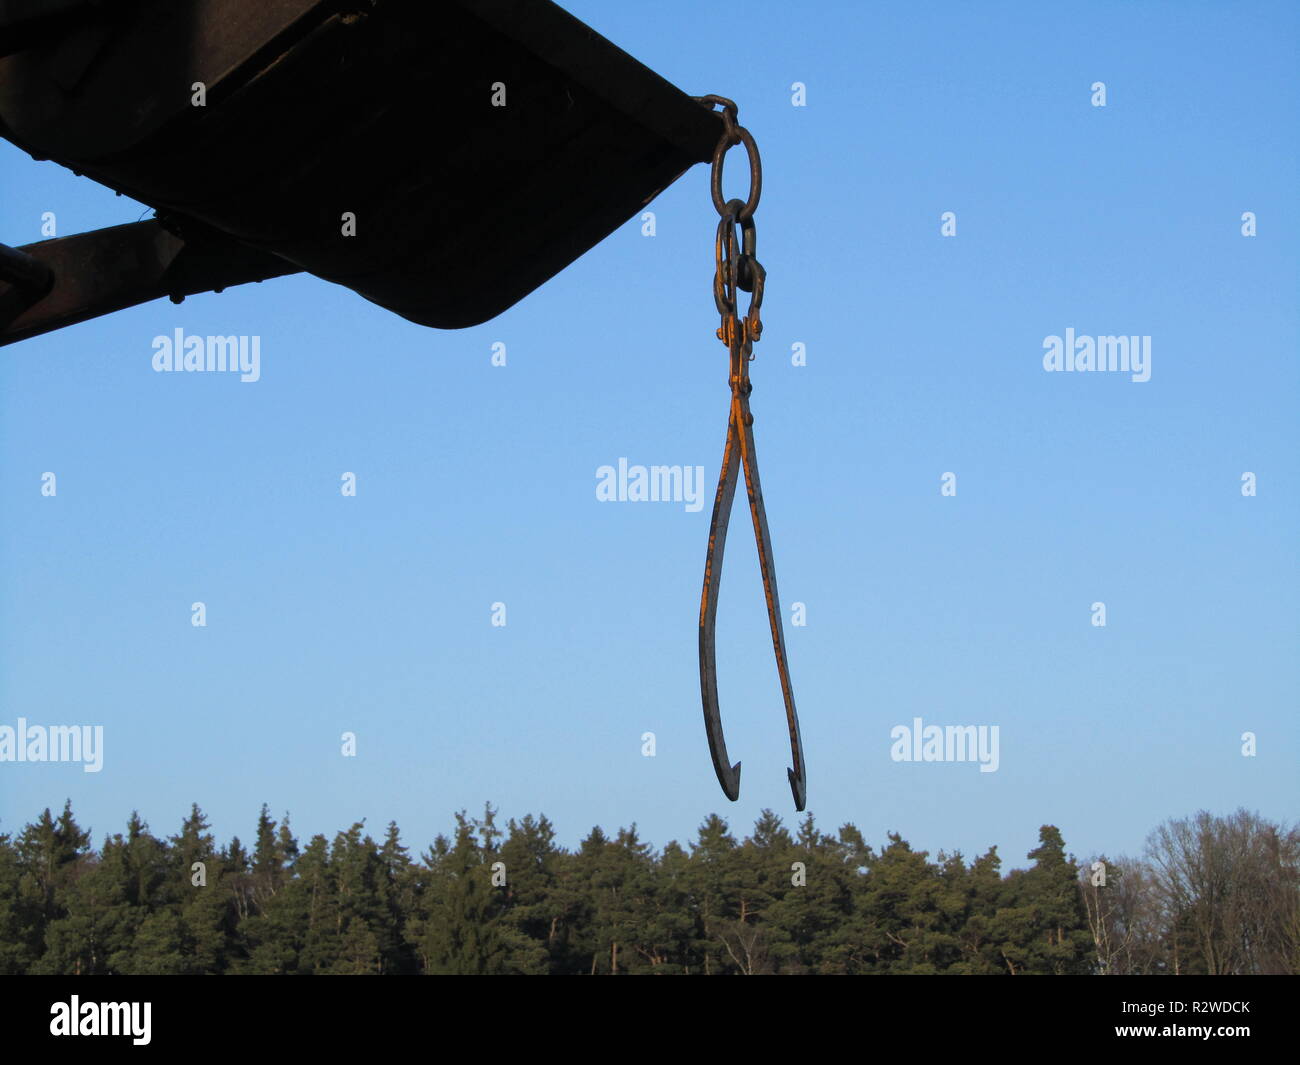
x=463 y=931
x=976 y=943
x=21 y=919
x=94 y=921
x=816 y=899
x=490 y=901
x=626 y=933
x=536 y=911
x=906 y=905
x=1042 y=926
x=715 y=888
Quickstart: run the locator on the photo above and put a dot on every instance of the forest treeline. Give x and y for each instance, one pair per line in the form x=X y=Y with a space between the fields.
x=1210 y=895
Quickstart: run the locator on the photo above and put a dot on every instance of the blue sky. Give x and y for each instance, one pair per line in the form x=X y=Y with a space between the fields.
x=476 y=484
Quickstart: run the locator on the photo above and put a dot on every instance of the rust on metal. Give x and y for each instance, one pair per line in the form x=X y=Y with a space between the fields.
x=737 y=269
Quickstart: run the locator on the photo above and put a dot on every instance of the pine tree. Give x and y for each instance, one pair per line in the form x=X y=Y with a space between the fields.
x=21 y=939
x=976 y=944
x=51 y=855
x=205 y=906
x=494 y=901
x=536 y=913
x=715 y=888
x=815 y=899
x=1043 y=927
x=463 y=931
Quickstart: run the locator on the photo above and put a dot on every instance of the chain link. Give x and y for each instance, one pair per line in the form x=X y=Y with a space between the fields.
x=736 y=266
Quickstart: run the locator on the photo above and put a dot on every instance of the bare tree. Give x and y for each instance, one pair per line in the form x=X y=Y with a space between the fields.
x=747 y=946
x=1124 y=917
x=1228 y=888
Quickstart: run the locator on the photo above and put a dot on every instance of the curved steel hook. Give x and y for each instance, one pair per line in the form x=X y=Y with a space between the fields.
x=739 y=450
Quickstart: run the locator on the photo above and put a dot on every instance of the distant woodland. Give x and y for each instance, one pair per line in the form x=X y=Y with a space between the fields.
x=1210 y=894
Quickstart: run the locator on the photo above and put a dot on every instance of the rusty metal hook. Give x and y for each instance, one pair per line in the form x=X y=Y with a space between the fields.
x=737 y=269
x=739 y=451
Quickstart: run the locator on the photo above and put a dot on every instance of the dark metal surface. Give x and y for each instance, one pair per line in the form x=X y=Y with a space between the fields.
x=383 y=109
x=21 y=270
x=738 y=269
x=111 y=269
x=23 y=281
x=24 y=23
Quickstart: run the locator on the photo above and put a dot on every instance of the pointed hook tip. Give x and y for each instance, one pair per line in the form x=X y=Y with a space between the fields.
x=799 y=789
x=731 y=783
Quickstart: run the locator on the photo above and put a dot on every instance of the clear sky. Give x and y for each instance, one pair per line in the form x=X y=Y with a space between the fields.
x=476 y=484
